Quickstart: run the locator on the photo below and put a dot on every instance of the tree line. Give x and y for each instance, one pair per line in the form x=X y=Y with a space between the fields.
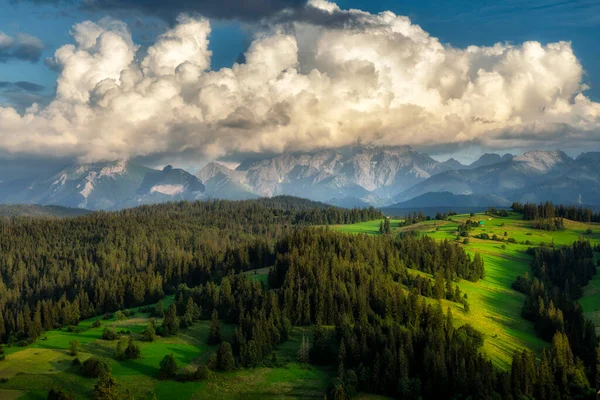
x=548 y=210
x=559 y=275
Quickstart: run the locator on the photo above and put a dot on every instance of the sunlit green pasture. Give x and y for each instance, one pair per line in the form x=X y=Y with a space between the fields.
x=495 y=308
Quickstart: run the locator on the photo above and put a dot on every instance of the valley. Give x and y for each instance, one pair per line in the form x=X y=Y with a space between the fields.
x=29 y=370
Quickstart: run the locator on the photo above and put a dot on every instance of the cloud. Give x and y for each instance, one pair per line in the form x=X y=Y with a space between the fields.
x=247 y=10
x=382 y=80
x=22 y=94
x=20 y=47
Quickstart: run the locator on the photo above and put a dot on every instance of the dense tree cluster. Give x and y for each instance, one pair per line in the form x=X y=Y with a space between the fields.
x=549 y=224
x=55 y=272
x=548 y=210
x=385 y=226
x=498 y=212
x=559 y=275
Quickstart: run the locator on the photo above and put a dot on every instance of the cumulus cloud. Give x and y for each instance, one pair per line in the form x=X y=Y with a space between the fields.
x=382 y=81
x=20 y=47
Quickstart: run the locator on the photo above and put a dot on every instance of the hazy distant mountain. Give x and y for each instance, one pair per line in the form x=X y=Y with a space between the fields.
x=490 y=159
x=349 y=177
x=533 y=176
x=110 y=185
x=447 y=199
x=368 y=174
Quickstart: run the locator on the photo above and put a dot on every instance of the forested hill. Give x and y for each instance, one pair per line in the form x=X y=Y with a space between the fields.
x=35 y=210
x=56 y=271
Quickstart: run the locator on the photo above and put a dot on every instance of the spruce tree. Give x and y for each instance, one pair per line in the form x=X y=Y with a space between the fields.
x=170 y=325
x=214 y=333
x=168 y=367
x=225 y=360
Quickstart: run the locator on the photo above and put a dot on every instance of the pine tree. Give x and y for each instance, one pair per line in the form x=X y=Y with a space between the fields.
x=168 y=367
x=160 y=311
x=214 y=333
x=170 y=325
x=106 y=388
x=304 y=351
x=225 y=360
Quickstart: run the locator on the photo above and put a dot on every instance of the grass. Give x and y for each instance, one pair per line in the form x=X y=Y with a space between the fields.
x=260 y=275
x=33 y=370
x=495 y=306
x=369 y=227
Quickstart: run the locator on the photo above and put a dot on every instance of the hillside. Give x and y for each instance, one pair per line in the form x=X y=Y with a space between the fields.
x=497 y=306
x=277 y=298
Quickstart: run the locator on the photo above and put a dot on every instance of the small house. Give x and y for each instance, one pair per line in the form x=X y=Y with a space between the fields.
x=481 y=223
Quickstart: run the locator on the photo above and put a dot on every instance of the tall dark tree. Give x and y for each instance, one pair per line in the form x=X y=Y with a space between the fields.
x=214 y=333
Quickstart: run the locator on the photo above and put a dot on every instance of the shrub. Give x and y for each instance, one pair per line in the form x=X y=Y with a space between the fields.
x=96 y=324
x=120 y=316
x=133 y=350
x=76 y=361
x=94 y=367
x=149 y=334
x=74 y=347
x=202 y=372
x=109 y=334
x=108 y=316
x=59 y=395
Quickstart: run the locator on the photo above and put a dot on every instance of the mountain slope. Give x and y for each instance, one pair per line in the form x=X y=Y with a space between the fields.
x=104 y=186
x=533 y=176
x=366 y=174
x=447 y=199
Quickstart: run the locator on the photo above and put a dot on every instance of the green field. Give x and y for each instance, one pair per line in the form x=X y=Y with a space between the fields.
x=495 y=306
x=33 y=370
x=369 y=227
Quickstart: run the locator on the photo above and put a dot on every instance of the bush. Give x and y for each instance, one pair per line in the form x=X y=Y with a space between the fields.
x=59 y=395
x=168 y=367
x=94 y=367
x=96 y=324
x=76 y=361
x=109 y=334
x=108 y=316
x=466 y=241
x=588 y=231
x=133 y=350
x=120 y=316
x=74 y=347
x=202 y=373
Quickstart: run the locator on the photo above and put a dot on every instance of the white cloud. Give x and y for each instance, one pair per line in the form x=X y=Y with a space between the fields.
x=382 y=81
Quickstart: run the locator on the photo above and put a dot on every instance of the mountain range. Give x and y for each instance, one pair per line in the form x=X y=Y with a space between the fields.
x=359 y=176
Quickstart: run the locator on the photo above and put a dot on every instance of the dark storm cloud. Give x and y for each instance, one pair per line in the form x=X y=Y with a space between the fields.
x=280 y=11
x=246 y=10
x=22 y=94
x=20 y=47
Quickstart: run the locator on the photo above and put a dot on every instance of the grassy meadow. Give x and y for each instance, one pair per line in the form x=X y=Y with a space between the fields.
x=32 y=370
x=495 y=306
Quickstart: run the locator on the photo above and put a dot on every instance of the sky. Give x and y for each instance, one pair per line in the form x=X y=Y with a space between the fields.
x=184 y=80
